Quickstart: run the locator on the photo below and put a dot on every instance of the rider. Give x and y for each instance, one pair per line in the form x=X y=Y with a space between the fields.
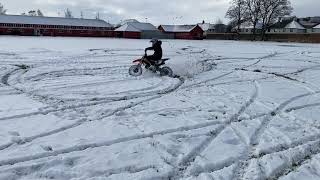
x=156 y=47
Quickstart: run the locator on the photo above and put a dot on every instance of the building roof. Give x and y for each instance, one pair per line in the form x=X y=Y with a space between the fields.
x=317 y=27
x=206 y=26
x=137 y=27
x=287 y=24
x=127 y=28
x=178 y=28
x=294 y=25
x=308 y=24
x=17 y=19
x=143 y=26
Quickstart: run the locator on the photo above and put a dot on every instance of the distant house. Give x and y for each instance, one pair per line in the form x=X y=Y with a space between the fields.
x=248 y=28
x=183 y=31
x=138 y=30
x=207 y=28
x=315 y=29
x=309 y=22
x=287 y=27
x=54 y=26
x=220 y=28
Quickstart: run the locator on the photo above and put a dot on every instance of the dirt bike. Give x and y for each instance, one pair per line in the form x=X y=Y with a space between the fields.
x=136 y=70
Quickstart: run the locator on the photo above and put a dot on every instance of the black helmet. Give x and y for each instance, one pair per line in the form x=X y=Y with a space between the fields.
x=154 y=40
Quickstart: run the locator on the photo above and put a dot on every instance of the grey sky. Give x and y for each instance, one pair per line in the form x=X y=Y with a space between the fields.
x=157 y=11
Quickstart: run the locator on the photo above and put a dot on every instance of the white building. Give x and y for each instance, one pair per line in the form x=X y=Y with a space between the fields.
x=315 y=29
x=248 y=28
x=286 y=27
x=207 y=28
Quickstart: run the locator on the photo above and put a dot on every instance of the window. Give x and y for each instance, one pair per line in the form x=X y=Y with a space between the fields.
x=291 y=30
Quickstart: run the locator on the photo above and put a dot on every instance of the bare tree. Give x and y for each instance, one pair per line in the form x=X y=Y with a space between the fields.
x=219 y=21
x=237 y=13
x=98 y=15
x=271 y=10
x=254 y=14
x=219 y=27
x=68 y=13
x=32 y=13
x=39 y=13
x=2 y=10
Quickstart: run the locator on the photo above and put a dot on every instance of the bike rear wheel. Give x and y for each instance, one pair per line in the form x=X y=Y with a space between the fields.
x=166 y=71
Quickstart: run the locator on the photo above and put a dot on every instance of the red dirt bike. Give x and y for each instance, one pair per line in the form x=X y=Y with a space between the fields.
x=136 y=70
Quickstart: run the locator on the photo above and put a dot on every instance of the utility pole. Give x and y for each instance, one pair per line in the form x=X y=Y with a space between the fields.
x=82 y=15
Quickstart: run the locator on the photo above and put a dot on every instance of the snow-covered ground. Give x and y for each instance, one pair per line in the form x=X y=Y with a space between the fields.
x=238 y=110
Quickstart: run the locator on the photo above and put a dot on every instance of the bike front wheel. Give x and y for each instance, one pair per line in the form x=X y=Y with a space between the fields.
x=135 y=70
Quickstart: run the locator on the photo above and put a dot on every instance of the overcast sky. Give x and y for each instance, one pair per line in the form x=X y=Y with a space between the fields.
x=156 y=11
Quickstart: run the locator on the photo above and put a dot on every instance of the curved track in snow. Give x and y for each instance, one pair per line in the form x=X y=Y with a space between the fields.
x=234 y=115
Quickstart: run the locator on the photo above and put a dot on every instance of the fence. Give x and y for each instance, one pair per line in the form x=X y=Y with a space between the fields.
x=303 y=38
x=156 y=34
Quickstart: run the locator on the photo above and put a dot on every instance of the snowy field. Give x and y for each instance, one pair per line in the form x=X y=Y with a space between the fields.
x=239 y=110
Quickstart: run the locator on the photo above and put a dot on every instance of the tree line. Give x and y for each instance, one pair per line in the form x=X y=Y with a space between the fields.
x=253 y=12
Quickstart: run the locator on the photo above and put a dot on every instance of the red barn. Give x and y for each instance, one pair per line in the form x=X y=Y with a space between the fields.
x=183 y=31
x=54 y=26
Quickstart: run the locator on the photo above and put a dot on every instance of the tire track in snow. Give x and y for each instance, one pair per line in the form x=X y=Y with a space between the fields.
x=265 y=122
x=82 y=121
x=278 y=148
x=105 y=143
x=74 y=125
x=73 y=72
x=302 y=107
x=30 y=169
x=156 y=95
x=97 y=100
x=254 y=141
x=203 y=82
x=5 y=78
x=189 y=159
x=304 y=157
x=311 y=140
x=128 y=169
x=259 y=59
